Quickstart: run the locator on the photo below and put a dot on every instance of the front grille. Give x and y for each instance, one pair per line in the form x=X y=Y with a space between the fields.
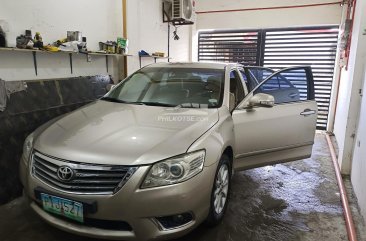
x=87 y=178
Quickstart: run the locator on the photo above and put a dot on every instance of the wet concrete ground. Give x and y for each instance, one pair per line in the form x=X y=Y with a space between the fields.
x=293 y=201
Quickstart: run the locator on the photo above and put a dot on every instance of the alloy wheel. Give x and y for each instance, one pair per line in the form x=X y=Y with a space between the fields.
x=221 y=188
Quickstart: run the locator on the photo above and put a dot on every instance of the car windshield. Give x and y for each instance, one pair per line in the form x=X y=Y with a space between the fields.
x=184 y=87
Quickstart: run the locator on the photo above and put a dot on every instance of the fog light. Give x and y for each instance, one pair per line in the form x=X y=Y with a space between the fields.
x=174 y=221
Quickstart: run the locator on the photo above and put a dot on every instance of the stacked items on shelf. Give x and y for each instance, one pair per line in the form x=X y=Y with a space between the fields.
x=143 y=53
x=74 y=42
x=155 y=56
x=114 y=47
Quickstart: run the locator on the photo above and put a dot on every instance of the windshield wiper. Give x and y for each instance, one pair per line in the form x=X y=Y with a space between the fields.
x=121 y=101
x=137 y=102
x=110 y=99
x=153 y=104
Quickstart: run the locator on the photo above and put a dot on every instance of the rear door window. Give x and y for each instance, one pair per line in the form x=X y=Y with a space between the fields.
x=260 y=74
x=289 y=85
x=256 y=75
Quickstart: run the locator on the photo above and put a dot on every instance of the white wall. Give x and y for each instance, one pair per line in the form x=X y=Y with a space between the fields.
x=350 y=119
x=349 y=99
x=359 y=156
x=147 y=31
x=265 y=19
x=98 y=20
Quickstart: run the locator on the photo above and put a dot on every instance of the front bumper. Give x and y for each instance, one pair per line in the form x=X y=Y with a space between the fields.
x=135 y=206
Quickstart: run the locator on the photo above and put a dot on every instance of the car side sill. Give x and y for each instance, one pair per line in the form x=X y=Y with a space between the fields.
x=270 y=157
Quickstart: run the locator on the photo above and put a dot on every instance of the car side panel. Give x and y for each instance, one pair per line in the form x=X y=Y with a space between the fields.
x=217 y=139
x=273 y=135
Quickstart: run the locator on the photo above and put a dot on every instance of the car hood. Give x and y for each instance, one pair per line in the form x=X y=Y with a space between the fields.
x=124 y=134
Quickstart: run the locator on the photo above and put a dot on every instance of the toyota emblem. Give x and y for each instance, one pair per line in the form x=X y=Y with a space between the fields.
x=65 y=173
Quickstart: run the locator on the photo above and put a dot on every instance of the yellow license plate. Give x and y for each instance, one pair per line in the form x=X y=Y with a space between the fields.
x=63 y=207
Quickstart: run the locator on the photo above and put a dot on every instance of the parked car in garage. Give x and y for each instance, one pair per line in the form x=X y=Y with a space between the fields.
x=153 y=158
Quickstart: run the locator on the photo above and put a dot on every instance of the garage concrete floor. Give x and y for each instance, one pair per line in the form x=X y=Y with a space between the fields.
x=293 y=201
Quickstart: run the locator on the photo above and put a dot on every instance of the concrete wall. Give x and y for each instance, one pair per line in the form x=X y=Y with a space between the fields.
x=358 y=176
x=147 y=31
x=350 y=118
x=265 y=19
x=98 y=20
x=349 y=99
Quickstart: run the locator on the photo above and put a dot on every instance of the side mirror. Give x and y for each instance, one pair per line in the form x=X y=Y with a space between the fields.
x=261 y=100
x=110 y=87
x=231 y=102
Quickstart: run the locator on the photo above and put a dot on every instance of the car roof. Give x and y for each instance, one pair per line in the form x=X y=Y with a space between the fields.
x=203 y=65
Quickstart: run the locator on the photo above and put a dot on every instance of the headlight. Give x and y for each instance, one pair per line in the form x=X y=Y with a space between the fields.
x=27 y=148
x=175 y=170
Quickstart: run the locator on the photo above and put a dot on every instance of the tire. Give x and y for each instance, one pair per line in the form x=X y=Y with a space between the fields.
x=220 y=189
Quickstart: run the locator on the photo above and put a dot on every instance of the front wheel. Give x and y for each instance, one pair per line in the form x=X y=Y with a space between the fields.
x=220 y=192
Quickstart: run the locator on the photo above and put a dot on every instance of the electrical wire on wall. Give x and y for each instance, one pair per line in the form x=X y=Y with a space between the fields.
x=175 y=36
x=175 y=33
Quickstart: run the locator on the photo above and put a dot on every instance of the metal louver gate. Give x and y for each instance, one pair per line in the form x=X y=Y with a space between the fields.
x=314 y=46
x=277 y=49
x=230 y=46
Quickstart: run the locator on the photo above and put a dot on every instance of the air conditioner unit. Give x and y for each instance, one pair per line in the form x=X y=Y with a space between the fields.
x=183 y=10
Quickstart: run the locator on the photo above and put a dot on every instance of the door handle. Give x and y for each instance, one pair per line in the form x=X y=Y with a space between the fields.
x=292 y=95
x=308 y=112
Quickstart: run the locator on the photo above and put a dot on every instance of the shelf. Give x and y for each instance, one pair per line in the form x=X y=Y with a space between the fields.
x=104 y=54
x=52 y=52
x=20 y=50
x=71 y=53
x=33 y=50
x=151 y=56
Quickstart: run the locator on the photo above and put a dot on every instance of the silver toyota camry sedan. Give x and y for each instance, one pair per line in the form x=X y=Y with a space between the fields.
x=153 y=158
